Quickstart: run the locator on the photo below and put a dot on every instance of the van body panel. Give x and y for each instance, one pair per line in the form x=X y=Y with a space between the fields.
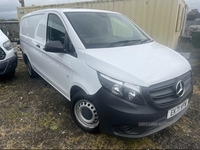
x=62 y=71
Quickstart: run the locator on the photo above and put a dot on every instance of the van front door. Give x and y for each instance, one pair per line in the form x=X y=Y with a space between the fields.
x=56 y=69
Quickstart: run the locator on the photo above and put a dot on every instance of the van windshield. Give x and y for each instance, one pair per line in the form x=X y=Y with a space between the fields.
x=101 y=29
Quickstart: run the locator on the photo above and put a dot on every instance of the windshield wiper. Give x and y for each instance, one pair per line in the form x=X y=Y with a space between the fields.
x=123 y=43
x=129 y=42
x=146 y=40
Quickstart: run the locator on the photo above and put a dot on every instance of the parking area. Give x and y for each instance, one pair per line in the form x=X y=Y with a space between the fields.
x=35 y=115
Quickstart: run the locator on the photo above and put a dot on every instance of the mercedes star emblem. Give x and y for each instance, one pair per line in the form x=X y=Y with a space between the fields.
x=180 y=90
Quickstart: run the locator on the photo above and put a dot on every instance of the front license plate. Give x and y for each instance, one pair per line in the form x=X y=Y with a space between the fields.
x=177 y=109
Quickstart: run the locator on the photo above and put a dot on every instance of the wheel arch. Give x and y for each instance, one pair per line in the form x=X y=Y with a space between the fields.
x=75 y=89
x=25 y=58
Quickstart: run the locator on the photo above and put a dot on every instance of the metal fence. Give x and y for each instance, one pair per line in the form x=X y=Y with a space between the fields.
x=12 y=27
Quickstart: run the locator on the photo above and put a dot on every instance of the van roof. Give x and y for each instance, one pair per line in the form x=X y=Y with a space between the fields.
x=59 y=10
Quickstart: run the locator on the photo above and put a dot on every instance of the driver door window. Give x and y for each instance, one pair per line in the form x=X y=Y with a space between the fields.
x=56 y=32
x=55 y=29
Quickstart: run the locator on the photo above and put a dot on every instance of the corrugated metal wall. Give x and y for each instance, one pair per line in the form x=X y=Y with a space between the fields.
x=159 y=18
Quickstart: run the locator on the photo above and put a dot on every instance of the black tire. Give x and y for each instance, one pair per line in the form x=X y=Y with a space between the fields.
x=11 y=74
x=31 y=72
x=84 y=113
x=8 y=75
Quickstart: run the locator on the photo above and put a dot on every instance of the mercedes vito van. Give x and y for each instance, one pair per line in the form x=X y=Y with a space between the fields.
x=8 y=59
x=118 y=79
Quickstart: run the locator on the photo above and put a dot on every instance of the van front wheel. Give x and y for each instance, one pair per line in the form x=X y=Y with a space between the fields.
x=84 y=113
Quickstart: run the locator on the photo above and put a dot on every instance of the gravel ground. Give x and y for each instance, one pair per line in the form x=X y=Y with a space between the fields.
x=35 y=115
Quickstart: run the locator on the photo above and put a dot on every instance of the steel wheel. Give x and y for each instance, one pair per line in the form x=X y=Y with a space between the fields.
x=86 y=114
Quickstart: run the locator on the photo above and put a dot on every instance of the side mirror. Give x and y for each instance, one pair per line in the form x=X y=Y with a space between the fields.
x=54 y=47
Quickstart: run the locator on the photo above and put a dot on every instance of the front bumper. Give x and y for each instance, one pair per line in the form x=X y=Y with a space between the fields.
x=126 y=119
x=8 y=65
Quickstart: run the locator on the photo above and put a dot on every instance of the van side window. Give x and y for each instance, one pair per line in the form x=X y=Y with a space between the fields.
x=29 y=27
x=40 y=34
x=56 y=32
x=40 y=30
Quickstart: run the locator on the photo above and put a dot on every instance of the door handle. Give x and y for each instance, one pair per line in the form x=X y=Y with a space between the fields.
x=38 y=45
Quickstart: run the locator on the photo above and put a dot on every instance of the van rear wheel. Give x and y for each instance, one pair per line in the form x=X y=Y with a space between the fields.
x=84 y=113
x=31 y=72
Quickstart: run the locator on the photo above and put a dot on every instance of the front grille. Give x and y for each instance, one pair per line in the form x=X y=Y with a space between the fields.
x=2 y=54
x=165 y=93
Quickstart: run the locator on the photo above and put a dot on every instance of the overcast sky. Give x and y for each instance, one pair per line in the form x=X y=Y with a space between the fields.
x=8 y=7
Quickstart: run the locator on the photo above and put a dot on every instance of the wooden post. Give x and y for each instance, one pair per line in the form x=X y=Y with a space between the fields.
x=22 y=3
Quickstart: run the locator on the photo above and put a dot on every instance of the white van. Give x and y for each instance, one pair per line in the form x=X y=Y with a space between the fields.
x=8 y=59
x=117 y=78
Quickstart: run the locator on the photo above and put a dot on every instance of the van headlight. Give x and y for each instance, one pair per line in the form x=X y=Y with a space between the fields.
x=121 y=89
x=7 y=45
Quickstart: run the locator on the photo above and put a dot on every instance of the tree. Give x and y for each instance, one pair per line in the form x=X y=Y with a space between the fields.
x=193 y=14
